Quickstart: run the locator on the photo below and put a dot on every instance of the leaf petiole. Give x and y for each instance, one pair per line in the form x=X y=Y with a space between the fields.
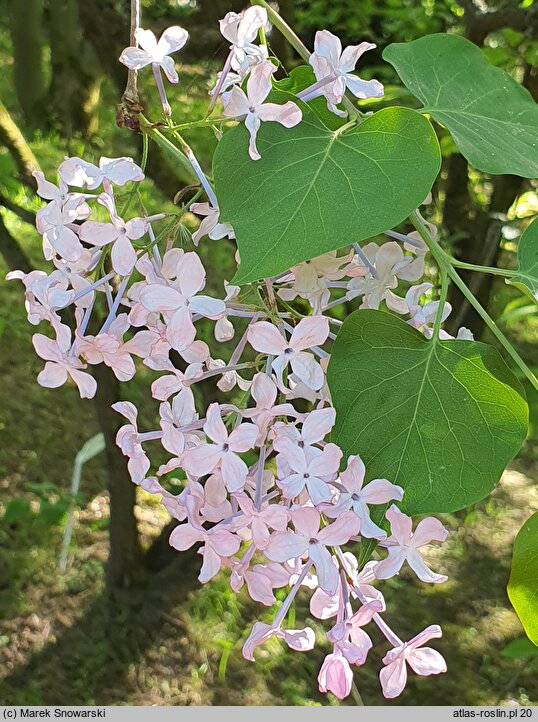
x=444 y=261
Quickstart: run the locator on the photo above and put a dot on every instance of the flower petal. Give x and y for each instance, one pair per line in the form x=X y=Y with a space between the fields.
x=266 y=338
x=393 y=677
x=285 y=545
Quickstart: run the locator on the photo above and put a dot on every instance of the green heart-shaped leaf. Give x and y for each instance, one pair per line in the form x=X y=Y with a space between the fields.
x=440 y=418
x=527 y=258
x=493 y=119
x=523 y=584
x=316 y=190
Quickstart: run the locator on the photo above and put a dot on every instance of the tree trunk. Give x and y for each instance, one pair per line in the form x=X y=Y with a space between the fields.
x=483 y=247
x=125 y=562
x=75 y=83
x=26 y=18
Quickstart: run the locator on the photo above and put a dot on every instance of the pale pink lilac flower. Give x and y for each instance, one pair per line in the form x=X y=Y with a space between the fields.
x=128 y=439
x=299 y=390
x=325 y=606
x=359 y=497
x=118 y=232
x=224 y=453
x=422 y=660
x=109 y=348
x=178 y=300
x=348 y=635
x=312 y=473
x=62 y=362
x=316 y=425
x=309 y=539
x=423 y=316
x=241 y=30
x=264 y=392
x=57 y=224
x=216 y=506
x=172 y=503
x=391 y=265
x=404 y=544
x=156 y=54
x=311 y=331
x=78 y=172
x=75 y=274
x=218 y=543
x=229 y=378
x=175 y=381
x=174 y=417
x=270 y=516
x=44 y=295
x=253 y=110
x=224 y=329
x=260 y=580
x=328 y=61
x=210 y=225
x=301 y=640
x=310 y=279
x=335 y=675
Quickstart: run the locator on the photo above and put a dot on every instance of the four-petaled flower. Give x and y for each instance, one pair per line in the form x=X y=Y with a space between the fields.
x=156 y=54
x=270 y=516
x=178 y=299
x=422 y=660
x=301 y=640
x=309 y=539
x=253 y=110
x=312 y=331
x=217 y=544
x=224 y=453
x=312 y=472
x=118 y=232
x=329 y=62
x=358 y=497
x=404 y=544
x=61 y=362
x=78 y=172
x=241 y=29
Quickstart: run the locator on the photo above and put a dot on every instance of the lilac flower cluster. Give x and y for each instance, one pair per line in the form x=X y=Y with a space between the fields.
x=288 y=518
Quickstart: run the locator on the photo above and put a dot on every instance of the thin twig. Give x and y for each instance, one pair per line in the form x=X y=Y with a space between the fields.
x=130 y=94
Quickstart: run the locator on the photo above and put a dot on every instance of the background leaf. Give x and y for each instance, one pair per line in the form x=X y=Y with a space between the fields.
x=523 y=584
x=493 y=119
x=315 y=190
x=521 y=648
x=440 y=419
x=527 y=258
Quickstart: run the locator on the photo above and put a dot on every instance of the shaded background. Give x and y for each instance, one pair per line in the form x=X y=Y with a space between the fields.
x=127 y=622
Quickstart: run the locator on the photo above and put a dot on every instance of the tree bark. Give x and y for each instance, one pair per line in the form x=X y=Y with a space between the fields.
x=75 y=85
x=125 y=562
x=26 y=18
